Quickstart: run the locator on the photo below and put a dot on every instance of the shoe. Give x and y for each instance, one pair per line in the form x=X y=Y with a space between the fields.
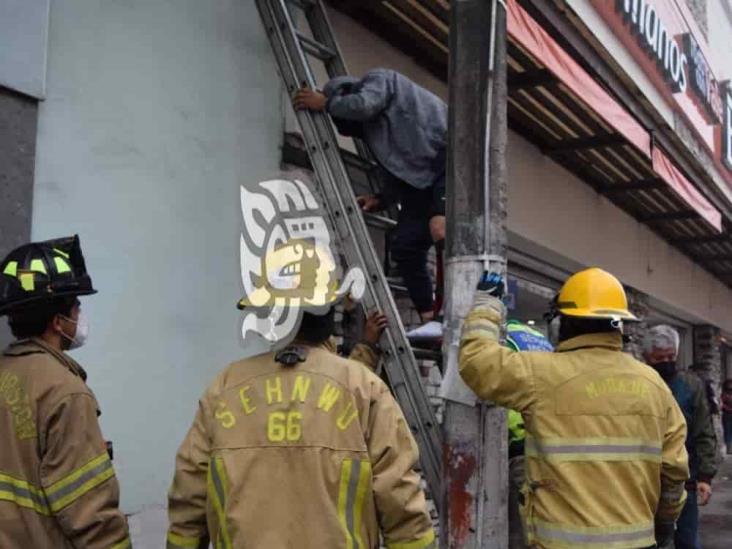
x=430 y=331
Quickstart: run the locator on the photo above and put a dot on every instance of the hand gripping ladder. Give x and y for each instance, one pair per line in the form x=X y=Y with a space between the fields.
x=291 y=48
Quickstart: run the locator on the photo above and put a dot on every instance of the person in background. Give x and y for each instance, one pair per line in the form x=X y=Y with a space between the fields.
x=712 y=401
x=605 y=456
x=57 y=484
x=405 y=126
x=727 y=414
x=661 y=351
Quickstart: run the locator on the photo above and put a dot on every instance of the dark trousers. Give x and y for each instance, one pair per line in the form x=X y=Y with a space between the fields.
x=412 y=241
x=687 y=527
x=727 y=423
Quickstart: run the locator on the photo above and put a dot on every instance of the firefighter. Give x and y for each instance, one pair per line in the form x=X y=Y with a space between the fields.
x=57 y=483
x=299 y=448
x=605 y=454
x=661 y=351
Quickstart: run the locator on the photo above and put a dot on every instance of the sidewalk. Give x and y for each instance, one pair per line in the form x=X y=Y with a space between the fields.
x=715 y=520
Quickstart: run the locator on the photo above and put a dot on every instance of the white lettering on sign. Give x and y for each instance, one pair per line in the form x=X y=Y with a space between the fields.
x=703 y=83
x=653 y=35
x=727 y=128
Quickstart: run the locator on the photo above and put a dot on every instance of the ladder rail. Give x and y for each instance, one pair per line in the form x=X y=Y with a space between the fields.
x=336 y=66
x=351 y=228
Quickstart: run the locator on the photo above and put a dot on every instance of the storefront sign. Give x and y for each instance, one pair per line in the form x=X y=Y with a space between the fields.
x=668 y=48
x=703 y=84
x=653 y=36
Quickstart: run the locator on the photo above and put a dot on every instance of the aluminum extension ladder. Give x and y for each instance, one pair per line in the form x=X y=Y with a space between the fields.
x=291 y=48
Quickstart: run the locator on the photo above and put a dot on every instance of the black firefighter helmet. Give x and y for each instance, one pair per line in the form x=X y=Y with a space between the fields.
x=42 y=271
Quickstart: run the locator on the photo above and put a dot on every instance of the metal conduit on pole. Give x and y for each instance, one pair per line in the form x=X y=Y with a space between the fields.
x=475 y=468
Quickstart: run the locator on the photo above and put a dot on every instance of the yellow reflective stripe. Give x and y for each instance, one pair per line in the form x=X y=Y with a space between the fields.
x=176 y=541
x=61 y=265
x=61 y=252
x=77 y=474
x=343 y=500
x=594 y=449
x=613 y=537
x=124 y=544
x=225 y=491
x=594 y=441
x=38 y=266
x=27 y=281
x=84 y=479
x=23 y=494
x=217 y=489
x=11 y=269
x=363 y=485
x=425 y=542
x=352 y=490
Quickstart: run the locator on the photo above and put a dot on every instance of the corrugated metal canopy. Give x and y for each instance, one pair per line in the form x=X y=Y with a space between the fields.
x=550 y=115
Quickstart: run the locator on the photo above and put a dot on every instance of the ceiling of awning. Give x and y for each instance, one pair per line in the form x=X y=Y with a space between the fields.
x=550 y=115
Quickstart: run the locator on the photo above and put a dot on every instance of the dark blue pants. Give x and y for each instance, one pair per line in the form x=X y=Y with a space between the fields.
x=412 y=240
x=727 y=423
x=687 y=527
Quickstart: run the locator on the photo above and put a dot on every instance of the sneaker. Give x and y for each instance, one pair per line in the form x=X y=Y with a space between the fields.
x=429 y=331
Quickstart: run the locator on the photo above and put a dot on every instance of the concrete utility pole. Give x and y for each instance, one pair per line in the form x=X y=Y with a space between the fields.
x=475 y=464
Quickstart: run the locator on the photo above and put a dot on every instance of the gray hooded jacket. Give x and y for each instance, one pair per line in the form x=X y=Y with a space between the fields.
x=404 y=125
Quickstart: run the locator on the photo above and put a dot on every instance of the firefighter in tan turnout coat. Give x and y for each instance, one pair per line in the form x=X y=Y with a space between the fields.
x=300 y=448
x=605 y=456
x=57 y=483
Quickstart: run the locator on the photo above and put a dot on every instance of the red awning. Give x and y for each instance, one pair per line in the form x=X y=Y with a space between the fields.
x=663 y=166
x=531 y=36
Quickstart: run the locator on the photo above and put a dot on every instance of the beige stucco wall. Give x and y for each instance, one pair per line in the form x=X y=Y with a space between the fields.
x=719 y=13
x=555 y=209
x=550 y=206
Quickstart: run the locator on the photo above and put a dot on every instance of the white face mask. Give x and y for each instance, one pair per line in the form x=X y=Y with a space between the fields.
x=82 y=331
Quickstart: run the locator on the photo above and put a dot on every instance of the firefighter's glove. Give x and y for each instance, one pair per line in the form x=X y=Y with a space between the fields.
x=491 y=283
x=665 y=533
x=488 y=296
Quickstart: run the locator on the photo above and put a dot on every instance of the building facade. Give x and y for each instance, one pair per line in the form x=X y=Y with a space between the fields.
x=134 y=123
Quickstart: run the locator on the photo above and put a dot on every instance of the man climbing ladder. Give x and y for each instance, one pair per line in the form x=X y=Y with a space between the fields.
x=405 y=127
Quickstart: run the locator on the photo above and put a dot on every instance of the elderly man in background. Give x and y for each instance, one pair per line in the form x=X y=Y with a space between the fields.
x=661 y=351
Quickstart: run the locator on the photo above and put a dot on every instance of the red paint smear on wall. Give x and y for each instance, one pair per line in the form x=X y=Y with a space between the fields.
x=462 y=467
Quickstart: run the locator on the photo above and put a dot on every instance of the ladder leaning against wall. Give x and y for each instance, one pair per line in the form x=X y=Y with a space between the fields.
x=292 y=49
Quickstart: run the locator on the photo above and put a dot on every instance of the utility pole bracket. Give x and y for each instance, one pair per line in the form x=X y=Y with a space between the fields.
x=488 y=260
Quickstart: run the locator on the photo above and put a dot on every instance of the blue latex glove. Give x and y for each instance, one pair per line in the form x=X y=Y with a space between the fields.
x=492 y=283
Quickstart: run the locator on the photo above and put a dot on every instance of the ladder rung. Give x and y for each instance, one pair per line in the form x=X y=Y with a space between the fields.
x=396 y=286
x=379 y=221
x=321 y=51
x=304 y=5
x=427 y=354
x=293 y=52
x=358 y=162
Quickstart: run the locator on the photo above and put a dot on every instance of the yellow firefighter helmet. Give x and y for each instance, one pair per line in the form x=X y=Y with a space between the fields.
x=594 y=293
